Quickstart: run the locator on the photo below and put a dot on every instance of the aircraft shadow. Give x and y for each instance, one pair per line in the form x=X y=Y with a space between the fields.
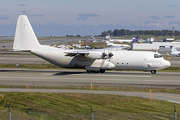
x=129 y=73
x=12 y=70
x=106 y=73
x=68 y=73
x=27 y=70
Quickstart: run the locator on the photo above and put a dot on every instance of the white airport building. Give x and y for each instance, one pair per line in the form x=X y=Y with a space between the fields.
x=162 y=46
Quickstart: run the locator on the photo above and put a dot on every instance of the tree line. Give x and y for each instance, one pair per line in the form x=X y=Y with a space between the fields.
x=156 y=33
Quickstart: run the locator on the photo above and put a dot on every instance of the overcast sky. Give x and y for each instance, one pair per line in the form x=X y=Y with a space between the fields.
x=89 y=17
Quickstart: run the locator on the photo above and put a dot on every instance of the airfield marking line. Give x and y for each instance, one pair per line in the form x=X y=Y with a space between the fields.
x=47 y=73
x=116 y=75
x=61 y=78
x=165 y=96
x=57 y=78
x=173 y=101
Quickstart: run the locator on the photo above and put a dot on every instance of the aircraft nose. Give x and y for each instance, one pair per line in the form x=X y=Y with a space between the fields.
x=166 y=64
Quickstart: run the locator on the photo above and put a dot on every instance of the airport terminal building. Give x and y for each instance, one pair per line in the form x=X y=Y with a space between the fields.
x=162 y=46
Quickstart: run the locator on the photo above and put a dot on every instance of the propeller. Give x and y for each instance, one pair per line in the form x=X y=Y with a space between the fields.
x=110 y=53
x=107 y=55
x=104 y=55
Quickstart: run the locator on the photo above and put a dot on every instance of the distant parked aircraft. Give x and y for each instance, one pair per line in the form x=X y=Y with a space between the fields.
x=117 y=45
x=174 y=52
x=123 y=40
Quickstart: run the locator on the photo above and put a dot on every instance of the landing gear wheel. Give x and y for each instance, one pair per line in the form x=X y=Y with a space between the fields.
x=102 y=71
x=92 y=71
x=88 y=71
x=95 y=71
x=153 y=71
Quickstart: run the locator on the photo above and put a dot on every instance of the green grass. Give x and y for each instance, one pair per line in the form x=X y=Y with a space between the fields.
x=171 y=69
x=31 y=66
x=96 y=44
x=5 y=50
x=46 y=105
x=16 y=53
x=6 y=41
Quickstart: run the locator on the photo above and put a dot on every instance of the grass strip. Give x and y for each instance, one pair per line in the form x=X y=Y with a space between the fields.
x=31 y=66
x=46 y=105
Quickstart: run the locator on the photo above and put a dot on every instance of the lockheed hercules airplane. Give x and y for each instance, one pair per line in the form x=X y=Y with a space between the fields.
x=95 y=60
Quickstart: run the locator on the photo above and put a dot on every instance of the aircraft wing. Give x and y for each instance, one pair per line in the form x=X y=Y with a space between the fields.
x=76 y=53
x=87 y=54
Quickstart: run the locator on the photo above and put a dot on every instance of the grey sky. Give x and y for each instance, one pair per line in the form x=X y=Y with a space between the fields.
x=88 y=17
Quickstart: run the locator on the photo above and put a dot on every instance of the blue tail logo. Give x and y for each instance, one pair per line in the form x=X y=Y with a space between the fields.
x=135 y=39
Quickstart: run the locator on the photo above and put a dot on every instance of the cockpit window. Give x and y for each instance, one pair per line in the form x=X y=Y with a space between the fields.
x=157 y=56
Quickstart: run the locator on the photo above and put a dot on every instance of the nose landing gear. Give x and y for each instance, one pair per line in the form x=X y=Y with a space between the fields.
x=153 y=71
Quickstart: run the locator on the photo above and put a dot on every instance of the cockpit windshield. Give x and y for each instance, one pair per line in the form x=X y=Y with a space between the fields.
x=158 y=56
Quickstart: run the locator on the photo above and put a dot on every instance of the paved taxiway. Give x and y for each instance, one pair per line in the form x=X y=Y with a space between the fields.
x=21 y=59
x=81 y=78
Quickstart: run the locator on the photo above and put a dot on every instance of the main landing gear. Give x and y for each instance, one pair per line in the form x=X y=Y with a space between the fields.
x=94 y=71
x=153 y=71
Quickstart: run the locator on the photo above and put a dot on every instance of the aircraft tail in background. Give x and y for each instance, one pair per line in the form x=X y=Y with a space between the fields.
x=135 y=39
x=174 y=52
x=173 y=49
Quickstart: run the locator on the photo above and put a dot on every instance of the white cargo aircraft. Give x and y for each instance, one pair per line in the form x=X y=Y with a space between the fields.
x=95 y=60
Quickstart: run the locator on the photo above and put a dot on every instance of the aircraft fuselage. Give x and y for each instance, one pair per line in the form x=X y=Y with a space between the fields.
x=121 y=59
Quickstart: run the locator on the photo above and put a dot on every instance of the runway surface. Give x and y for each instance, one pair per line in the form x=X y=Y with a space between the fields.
x=81 y=78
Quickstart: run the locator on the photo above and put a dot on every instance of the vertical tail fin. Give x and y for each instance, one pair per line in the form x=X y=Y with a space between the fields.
x=135 y=39
x=108 y=37
x=25 y=38
x=173 y=49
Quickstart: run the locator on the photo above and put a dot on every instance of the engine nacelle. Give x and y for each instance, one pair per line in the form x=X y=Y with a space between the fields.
x=94 y=55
